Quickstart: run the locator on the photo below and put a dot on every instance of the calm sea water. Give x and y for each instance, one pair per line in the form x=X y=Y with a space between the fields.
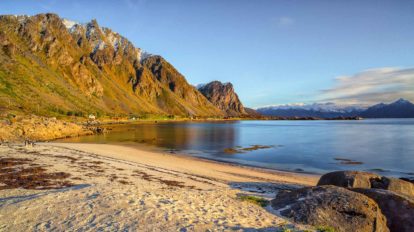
x=380 y=145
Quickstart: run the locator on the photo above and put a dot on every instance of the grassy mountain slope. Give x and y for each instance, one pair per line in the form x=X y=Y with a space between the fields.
x=50 y=66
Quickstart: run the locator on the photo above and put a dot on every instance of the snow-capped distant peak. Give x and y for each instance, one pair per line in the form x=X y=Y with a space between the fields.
x=401 y=101
x=282 y=106
x=322 y=107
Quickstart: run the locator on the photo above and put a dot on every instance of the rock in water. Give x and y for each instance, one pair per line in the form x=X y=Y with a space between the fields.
x=332 y=206
x=348 y=179
x=398 y=209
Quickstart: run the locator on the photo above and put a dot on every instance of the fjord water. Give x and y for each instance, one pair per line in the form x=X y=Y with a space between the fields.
x=379 y=145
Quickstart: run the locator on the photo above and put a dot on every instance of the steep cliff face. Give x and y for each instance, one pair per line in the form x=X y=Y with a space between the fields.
x=224 y=97
x=52 y=65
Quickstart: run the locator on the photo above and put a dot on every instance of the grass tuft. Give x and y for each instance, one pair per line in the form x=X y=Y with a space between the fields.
x=255 y=200
x=325 y=229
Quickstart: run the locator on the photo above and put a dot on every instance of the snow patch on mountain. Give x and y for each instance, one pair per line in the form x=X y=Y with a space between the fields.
x=21 y=18
x=199 y=86
x=68 y=23
x=144 y=55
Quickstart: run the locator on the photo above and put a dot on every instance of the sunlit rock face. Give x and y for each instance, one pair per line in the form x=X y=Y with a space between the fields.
x=224 y=97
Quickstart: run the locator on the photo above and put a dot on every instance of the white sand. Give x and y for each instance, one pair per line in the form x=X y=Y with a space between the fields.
x=203 y=197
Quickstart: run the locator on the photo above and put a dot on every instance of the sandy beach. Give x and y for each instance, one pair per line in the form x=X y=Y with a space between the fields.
x=89 y=187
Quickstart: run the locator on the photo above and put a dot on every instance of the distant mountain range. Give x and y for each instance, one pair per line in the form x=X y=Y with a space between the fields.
x=398 y=109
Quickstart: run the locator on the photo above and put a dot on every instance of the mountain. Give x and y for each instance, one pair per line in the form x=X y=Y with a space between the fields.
x=224 y=97
x=53 y=66
x=319 y=110
x=253 y=113
x=398 y=109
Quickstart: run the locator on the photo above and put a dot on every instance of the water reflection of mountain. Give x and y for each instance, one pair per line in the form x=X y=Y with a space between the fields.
x=210 y=137
x=309 y=145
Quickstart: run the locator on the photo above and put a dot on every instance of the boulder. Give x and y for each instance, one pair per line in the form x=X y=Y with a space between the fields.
x=394 y=184
x=348 y=179
x=331 y=206
x=398 y=209
x=357 y=179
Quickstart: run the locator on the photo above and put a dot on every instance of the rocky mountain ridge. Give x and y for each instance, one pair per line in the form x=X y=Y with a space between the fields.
x=398 y=109
x=49 y=66
x=224 y=97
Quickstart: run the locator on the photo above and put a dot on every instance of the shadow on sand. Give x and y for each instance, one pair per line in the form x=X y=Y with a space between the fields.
x=18 y=199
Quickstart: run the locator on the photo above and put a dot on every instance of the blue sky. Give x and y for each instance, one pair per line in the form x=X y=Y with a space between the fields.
x=274 y=52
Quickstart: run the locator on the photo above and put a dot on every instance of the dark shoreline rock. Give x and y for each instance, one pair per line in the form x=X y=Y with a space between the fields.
x=348 y=179
x=332 y=206
x=357 y=179
x=395 y=185
x=395 y=197
x=398 y=209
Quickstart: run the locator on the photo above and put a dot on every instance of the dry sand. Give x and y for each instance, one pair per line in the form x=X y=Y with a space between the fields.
x=118 y=188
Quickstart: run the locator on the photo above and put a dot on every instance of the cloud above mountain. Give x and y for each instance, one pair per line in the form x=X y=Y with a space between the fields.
x=283 y=21
x=371 y=86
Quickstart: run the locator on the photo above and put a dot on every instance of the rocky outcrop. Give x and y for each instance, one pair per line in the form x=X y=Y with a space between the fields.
x=398 y=209
x=394 y=185
x=395 y=197
x=36 y=128
x=357 y=179
x=331 y=206
x=348 y=179
x=224 y=97
x=49 y=65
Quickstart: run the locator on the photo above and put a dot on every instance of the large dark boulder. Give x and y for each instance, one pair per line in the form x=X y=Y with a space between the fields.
x=348 y=179
x=332 y=206
x=398 y=209
x=395 y=185
x=357 y=179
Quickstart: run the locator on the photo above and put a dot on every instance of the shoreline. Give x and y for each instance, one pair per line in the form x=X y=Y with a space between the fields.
x=124 y=152
x=19 y=128
x=217 y=161
x=67 y=186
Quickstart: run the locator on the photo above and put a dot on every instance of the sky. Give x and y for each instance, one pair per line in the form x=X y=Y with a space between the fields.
x=273 y=51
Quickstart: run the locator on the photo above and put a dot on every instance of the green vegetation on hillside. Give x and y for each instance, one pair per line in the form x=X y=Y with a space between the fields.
x=50 y=70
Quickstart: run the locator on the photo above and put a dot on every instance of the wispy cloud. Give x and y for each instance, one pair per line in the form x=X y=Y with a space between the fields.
x=284 y=21
x=135 y=4
x=372 y=86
